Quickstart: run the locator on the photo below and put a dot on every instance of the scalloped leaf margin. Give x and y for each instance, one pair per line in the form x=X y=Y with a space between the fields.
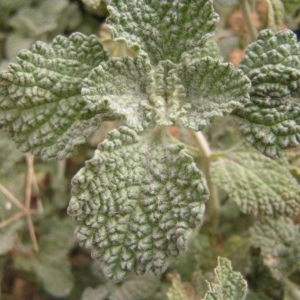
x=136 y=202
x=271 y=121
x=40 y=96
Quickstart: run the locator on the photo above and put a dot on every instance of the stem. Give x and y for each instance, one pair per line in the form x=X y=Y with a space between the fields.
x=213 y=204
x=11 y=219
x=28 y=194
x=11 y=197
x=248 y=19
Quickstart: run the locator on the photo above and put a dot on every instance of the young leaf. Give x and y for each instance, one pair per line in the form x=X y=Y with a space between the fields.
x=40 y=101
x=155 y=26
x=212 y=89
x=229 y=285
x=279 y=241
x=119 y=85
x=271 y=121
x=136 y=202
x=258 y=184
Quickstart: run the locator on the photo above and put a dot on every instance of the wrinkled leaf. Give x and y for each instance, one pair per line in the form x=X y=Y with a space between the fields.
x=212 y=89
x=258 y=184
x=271 y=121
x=229 y=284
x=136 y=202
x=155 y=26
x=40 y=101
x=119 y=85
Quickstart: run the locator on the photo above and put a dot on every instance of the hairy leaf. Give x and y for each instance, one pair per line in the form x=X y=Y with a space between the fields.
x=40 y=101
x=279 y=241
x=271 y=121
x=119 y=85
x=212 y=89
x=155 y=26
x=229 y=285
x=258 y=184
x=136 y=202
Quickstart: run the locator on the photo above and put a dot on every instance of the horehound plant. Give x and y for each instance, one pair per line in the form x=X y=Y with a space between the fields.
x=137 y=200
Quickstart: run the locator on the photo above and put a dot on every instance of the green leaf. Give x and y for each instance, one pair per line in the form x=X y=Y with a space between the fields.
x=119 y=85
x=258 y=184
x=40 y=101
x=229 y=285
x=136 y=202
x=279 y=241
x=162 y=29
x=271 y=121
x=212 y=89
x=51 y=264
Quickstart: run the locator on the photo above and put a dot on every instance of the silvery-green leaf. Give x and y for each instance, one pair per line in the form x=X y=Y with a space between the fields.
x=40 y=96
x=212 y=89
x=229 y=284
x=271 y=121
x=136 y=202
x=258 y=184
x=162 y=29
x=119 y=85
x=279 y=241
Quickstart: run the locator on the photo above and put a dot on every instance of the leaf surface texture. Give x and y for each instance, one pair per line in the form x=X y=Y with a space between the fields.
x=136 y=202
x=40 y=96
x=270 y=122
x=258 y=184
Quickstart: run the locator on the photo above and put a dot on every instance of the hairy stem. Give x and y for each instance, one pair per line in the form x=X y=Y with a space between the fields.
x=213 y=204
x=248 y=19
